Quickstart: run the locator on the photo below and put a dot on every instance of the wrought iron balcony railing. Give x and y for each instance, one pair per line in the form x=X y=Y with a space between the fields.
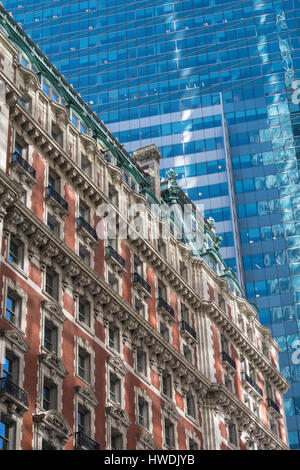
x=271 y=403
x=82 y=223
x=161 y=303
x=82 y=440
x=138 y=278
x=227 y=358
x=186 y=327
x=57 y=197
x=114 y=254
x=13 y=390
x=16 y=158
x=253 y=384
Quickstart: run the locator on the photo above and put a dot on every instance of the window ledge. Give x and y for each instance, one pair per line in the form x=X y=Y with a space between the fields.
x=85 y=327
x=114 y=351
x=51 y=299
x=85 y=381
x=145 y=378
x=17 y=268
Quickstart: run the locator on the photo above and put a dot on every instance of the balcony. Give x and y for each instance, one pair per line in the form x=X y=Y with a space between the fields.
x=165 y=310
x=142 y=287
x=273 y=407
x=25 y=171
x=226 y=359
x=82 y=441
x=86 y=231
x=188 y=331
x=14 y=396
x=58 y=203
x=253 y=386
x=115 y=259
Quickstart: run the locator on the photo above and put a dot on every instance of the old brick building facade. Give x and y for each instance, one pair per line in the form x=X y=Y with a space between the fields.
x=112 y=344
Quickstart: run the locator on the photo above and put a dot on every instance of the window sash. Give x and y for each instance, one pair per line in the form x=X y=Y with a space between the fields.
x=11 y=310
x=169 y=433
x=4 y=435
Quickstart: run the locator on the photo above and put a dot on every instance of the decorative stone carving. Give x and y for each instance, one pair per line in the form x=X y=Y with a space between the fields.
x=53 y=310
x=87 y=395
x=117 y=364
x=119 y=414
x=169 y=409
x=16 y=338
x=146 y=441
x=54 y=422
x=54 y=364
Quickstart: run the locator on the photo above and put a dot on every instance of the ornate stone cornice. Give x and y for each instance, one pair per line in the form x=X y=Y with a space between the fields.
x=224 y=402
x=244 y=345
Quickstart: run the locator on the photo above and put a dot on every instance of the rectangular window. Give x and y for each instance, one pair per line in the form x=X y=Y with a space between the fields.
x=162 y=290
x=84 y=311
x=141 y=362
x=51 y=284
x=84 y=254
x=13 y=308
x=53 y=224
x=49 y=395
x=7 y=430
x=50 y=336
x=113 y=281
x=84 y=211
x=185 y=314
x=143 y=412
x=114 y=337
x=187 y=353
x=167 y=384
x=84 y=365
x=116 y=440
x=169 y=433
x=193 y=445
x=114 y=388
x=83 y=418
x=138 y=265
x=54 y=180
x=112 y=194
x=11 y=367
x=183 y=270
x=16 y=252
x=164 y=331
x=86 y=165
x=232 y=434
x=57 y=134
x=139 y=307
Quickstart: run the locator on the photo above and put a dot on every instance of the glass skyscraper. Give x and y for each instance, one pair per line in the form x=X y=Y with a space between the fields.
x=214 y=84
